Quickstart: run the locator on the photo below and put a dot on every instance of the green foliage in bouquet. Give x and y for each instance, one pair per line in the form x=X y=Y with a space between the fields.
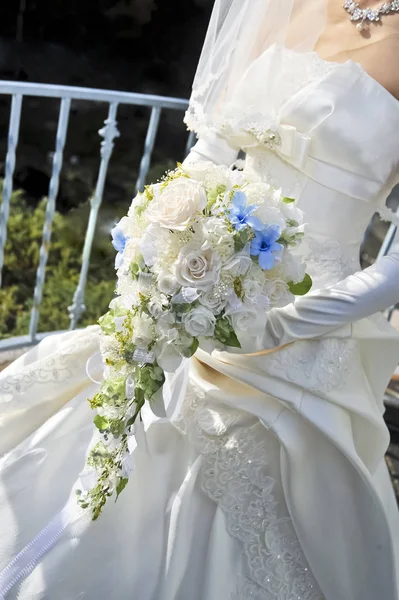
x=201 y=257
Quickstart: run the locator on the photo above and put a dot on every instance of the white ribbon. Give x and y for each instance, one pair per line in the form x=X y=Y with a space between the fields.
x=293 y=146
x=285 y=140
x=94 y=363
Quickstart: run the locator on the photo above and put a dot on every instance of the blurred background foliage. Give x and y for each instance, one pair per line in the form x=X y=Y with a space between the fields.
x=146 y=46
x=62 y=273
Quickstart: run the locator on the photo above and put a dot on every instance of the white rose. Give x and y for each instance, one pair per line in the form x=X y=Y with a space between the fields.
x=291 y=212
x=197 y=266
x=143 y=331
x=252 y=289
x=177 y=204
x=278 y=292
x=200 y=322
x=167 y=283
x=245 y=320
x=248 y=322
x=213 y=300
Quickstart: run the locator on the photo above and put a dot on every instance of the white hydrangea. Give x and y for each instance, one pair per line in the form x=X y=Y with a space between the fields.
x=221 y=238
x=292 y=268
x=143 y=331
x=259 y=193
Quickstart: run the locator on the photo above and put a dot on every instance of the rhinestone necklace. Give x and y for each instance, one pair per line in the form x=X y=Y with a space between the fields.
x=364 y=16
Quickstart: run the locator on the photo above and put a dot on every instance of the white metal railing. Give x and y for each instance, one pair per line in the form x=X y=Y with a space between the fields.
x=109 y=132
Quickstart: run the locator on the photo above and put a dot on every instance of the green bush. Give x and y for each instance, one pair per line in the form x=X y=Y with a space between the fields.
x=25 y=229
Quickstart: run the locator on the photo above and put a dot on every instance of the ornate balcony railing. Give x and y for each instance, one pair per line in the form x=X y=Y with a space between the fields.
x=109 y=132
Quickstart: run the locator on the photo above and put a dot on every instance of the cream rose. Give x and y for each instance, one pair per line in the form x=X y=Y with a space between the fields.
x=200 y=322
x=177 y=204
x=278 y=292
x=197 y=266
x=245 y=320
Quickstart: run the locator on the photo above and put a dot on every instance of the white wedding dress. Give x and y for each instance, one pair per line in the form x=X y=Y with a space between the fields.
x=270 y=481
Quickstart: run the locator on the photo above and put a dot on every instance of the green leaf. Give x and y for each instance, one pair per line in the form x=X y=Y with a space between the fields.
x=194 y=346
x=225 y=333
x=121 y=486
x=237 y=285
x=232 y=340
x=241 y=238
x=182 y=308
x=287 y=200
x=301 y=288
x=101 y=422
x=106 y=323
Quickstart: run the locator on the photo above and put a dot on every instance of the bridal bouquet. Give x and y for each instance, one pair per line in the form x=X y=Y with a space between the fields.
x=202 y=256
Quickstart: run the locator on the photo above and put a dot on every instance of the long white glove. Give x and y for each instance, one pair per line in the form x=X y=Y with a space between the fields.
x=358 y=296
x=212 y=148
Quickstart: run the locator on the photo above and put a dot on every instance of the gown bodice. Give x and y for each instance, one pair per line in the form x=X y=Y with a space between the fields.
x=327 y=134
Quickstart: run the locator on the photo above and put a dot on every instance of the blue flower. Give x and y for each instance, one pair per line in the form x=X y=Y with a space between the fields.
x=240 y=213
x=265 y=246
x=119 y=243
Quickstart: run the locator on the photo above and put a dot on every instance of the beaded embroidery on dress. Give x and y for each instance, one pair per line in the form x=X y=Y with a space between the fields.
x=236 y=475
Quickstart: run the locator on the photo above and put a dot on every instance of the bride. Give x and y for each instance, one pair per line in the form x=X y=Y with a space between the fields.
x=270 y=481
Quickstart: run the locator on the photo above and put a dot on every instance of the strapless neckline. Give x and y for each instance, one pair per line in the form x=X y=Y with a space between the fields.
x=360 y=68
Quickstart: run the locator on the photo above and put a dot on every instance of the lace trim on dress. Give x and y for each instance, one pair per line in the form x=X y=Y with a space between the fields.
x=328 y=261
x=319 y=366
x=236 y=476
x=246 y=111
x=57 y=367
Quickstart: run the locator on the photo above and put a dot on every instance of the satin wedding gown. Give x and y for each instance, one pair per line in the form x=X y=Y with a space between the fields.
x=269 y=482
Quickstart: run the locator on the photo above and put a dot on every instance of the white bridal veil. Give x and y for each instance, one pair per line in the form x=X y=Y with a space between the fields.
x=239 y=33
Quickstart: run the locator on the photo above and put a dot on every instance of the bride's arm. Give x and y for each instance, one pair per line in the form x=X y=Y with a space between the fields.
x=212 y=148
x=320 y=312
